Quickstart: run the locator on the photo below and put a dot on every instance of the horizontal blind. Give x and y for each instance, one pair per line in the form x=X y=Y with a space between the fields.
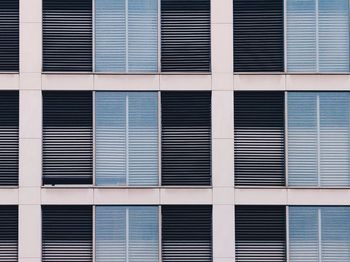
x=9 y=138
x=187 y=233
x=303 y=139
x=258 y=35
x=260 y=233
x=67 y=233
x=9 y=32
x=9 y=233
x=333 y=35
x=67 y=137
x=126 y=35
x=110 y=35
x=319 y=234
x=303 y=234
x=143 y=35
x=186 y=138
x=259 y=138
x=127 y=233
x=301 y=36
x=67 y=35
x=335 y=232
x=127 y=138
x=334 y=111
x=318 y=139
x=185 y=29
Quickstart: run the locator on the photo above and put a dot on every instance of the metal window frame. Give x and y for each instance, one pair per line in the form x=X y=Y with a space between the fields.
x=159 y=127
x=126 y=44
x=159 y=220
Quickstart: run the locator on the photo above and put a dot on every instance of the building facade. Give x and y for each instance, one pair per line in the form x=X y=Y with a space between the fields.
x=174 y=130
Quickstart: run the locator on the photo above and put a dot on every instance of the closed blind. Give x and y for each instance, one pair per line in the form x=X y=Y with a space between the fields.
x=185 y=26
x=258 y=35
x=318 y=136
x=9 y=141
x=187 y=233
x=301 y=36
x=126 y=234
x=67 y=233
x=9 y=233
x=333 y=31
x=319 y=234
x=259 y=138
x=318 y=36
x=186 y=138
x=9 y=32
x=127 y=138
x=260 y=233
x=67 y=35
x=67 y=137
x=126 y=35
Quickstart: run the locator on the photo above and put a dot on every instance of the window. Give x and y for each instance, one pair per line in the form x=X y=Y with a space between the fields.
x=67 y=233
x=9 y=35
x=260 y=233
x=317 y=36
x=9 y=138
x=67 y=137
x=185 y=36
x=259 y=138
x=125 y=233
x=126 y=35
x=67 y=35
x=123 y=36
x=186 y=138
x=127 y=138
x=319 y=234
x=187 y=233
x=318 y=138
x=9 y=233
x=258 y=35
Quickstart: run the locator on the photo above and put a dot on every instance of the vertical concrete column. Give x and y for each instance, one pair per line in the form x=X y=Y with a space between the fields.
x=222 y=134
x=30 y=131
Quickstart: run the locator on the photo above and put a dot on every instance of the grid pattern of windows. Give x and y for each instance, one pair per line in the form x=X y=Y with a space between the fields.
x=123 y=36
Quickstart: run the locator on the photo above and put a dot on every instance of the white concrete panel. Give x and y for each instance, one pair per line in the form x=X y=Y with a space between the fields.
x=30 y=110
x=67 y=82
x=260 y=82
x=223 y=196
x=223 y=231
x=29 y=259
x=185 y=82
x=126 y=196
x=30 y=47
x=222 y=48
x=29 y=232
x=8 y=196
x=67 y=196
x=318 y=82
x=126 y=82
x=221 y=11
x=29 y=196
x=265 y=196
x=9 y=81
x=319 y=196
x=31 y=11
x=222 y=114
x=222 y=162
x=222 y=81
x=30 y=162
x=185 y=196
x=30 y=81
